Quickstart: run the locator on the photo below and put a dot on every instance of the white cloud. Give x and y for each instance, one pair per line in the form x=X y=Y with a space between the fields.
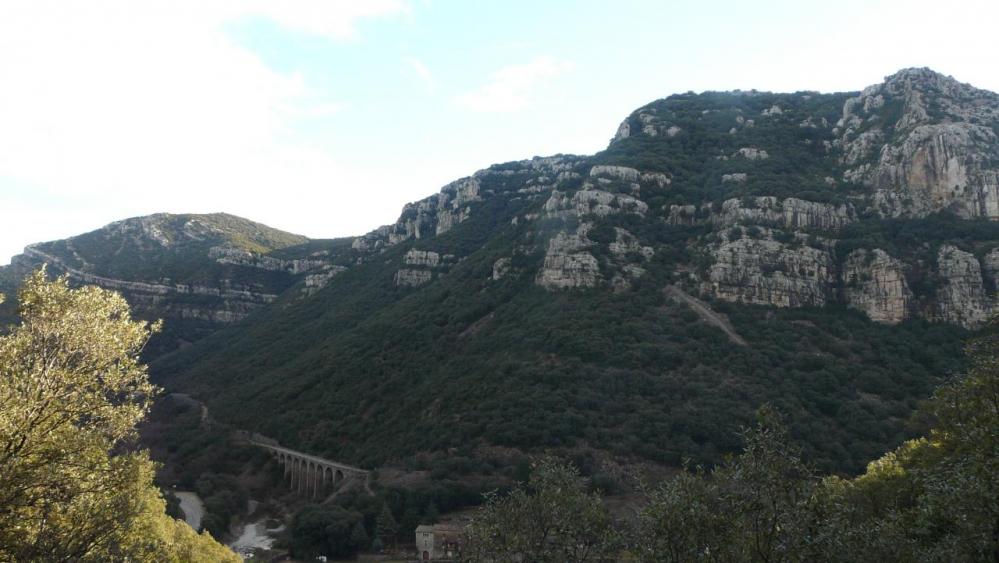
x=421 y=70
x=128 y=108
x=335 y=19
x=511 y=88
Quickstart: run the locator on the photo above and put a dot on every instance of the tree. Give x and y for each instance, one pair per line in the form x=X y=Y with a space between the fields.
x=359 y=536
x=321 y=530
x=72 y=390
x=766 y=490
x=683 y=521
x=385 y=525
x=410 y=518
x=934 y=498
x=553 y=518
x=431 y=515
x=755 y=507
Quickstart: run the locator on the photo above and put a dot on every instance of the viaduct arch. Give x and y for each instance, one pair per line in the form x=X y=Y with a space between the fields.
x=309 y=475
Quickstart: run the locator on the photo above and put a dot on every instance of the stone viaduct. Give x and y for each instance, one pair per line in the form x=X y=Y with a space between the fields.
x=309 y=475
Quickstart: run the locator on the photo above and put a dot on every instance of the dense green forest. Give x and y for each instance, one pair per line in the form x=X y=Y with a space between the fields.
x=933 y=499
x=372 y=372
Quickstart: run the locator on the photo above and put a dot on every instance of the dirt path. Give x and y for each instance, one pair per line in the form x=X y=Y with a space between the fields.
x=706 y=314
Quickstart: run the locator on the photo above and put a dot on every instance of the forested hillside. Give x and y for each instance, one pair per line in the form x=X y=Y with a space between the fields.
x=848 y=240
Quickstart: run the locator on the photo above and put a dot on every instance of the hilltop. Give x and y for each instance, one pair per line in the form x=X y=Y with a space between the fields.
x=847 y=239
x=823 y=252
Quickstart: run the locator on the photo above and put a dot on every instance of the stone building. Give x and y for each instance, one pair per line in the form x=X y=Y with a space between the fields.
x=440 y=542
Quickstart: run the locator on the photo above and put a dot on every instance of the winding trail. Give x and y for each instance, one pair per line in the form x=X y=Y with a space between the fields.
x=706 y=314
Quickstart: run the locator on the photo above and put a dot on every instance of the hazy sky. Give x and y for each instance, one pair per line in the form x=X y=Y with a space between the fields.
x=325 y=117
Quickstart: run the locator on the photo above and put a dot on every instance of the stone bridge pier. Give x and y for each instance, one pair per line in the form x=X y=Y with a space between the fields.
x=312 y=476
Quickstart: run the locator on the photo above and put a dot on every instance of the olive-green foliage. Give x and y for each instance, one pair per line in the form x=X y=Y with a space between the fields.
x=370 y=373
x=754 y=507
x=327 y=530
x=386 y=528
x=798 y=160
x=551 y=518
x=933 y=499
x=71 y=392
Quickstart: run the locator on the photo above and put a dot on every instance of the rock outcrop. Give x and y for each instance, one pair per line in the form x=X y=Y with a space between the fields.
x=316 y=281
x=924 y=143
x=628 y=255
x=875 y=283
x=961 y=298
x=501 y=268
x=412 y=278
x=232 y=302
x=240 y=257
x=589 y=201
x=791 y=213
x=766 y=271
x=425 y=258
x=440 y=213
x=568 y=263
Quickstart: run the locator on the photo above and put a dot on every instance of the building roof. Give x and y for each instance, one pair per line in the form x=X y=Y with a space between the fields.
x=424 y=528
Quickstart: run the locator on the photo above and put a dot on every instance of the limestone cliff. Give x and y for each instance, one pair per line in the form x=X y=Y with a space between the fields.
x=924 y=143
x=792 y=212
x=776 y=194
x=759 y=269
x=961 y=297
x=875 y=283
x=568 y=262
x=197 y=272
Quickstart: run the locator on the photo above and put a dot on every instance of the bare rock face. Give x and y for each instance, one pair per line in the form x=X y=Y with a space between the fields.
x=790 y=213
x=412 y=278
x=442 y=212
x=619 y=172
x=232 y=302
x=961 y=297
x=228 y=255
x=592 y=201
x=874 y=282
x=941 y=166
x=316 y=281
x=567 y=262
x=501 y=268
x=628 y=255
x=431 y=216
x=765 y=271
x=623 y=131
x=942 y=153
x=424 y=258
x=752 y=153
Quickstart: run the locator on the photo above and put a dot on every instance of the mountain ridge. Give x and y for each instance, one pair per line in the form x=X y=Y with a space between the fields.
x=523 y=306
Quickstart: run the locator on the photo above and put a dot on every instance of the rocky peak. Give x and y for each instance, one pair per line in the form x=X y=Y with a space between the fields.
x=911 y=83
x=925 y=143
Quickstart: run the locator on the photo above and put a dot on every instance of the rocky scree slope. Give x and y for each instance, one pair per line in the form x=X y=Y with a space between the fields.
x=197 y=272
x=848 y=238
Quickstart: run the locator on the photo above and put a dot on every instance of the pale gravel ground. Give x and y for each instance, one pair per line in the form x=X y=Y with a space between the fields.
x=194 y=509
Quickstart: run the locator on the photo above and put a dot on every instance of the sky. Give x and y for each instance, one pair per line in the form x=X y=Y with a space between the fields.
x=324 y=117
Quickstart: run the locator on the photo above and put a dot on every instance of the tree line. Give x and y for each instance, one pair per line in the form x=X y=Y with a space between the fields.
x=933 y=499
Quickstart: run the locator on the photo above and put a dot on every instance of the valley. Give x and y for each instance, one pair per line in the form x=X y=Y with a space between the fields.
x=827 y=255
